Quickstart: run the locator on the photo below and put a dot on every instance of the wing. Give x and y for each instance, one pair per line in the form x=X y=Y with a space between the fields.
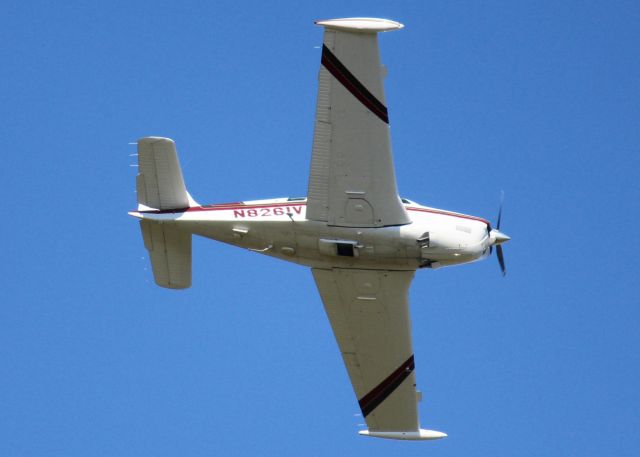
x=369 y=314
x=352 y=181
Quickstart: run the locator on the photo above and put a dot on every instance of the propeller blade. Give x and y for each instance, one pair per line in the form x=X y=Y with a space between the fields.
x=501 y=259
x=500 y=210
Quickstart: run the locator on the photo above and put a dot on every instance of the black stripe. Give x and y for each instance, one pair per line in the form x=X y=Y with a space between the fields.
x=380 y=393
x=164 y=211
x=351 y=83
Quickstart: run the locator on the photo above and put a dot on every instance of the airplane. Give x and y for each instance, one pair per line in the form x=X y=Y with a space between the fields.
x=362 y=241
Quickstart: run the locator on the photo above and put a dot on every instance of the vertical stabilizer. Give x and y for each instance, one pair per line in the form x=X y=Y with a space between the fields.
x=160 y=184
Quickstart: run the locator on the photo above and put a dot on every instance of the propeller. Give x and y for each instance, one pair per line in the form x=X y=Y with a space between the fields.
x=496 y=237
x=501 y=260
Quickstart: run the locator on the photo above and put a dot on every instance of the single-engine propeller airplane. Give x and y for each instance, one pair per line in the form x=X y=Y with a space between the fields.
x=362 y=241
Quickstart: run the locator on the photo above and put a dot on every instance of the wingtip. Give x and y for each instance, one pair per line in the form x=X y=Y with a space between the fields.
x=361 y=24
x=418 y=435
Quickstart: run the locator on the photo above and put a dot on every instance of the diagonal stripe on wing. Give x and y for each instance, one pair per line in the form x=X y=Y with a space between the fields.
x=369 y=315
x=380 y=393
x=351 y=83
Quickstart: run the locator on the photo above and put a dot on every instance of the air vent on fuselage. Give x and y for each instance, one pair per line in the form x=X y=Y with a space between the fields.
x=345 y=249
x=341 y=248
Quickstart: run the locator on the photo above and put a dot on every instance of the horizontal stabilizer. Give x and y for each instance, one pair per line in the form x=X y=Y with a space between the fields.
x=160 y=184
x=170 y=252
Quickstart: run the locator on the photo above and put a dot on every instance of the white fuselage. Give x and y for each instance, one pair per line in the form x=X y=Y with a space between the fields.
x=279 y=228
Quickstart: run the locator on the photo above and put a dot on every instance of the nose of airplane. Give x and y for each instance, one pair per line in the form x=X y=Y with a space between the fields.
x=497 y=237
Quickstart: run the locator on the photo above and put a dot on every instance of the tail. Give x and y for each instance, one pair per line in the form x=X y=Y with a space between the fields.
x=160 y=186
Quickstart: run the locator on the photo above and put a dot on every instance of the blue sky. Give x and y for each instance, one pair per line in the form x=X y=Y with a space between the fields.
x=539 y=99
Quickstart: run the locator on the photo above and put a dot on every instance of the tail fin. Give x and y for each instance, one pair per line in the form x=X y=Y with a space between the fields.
x=160 y=184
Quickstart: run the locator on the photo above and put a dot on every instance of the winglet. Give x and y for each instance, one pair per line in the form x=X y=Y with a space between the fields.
x=361 y=24
x=418 y=435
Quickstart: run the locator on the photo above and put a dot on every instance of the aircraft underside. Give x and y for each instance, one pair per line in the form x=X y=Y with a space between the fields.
x=362 y=241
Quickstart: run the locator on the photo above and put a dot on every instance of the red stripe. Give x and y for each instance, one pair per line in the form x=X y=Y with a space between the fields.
x=382 y=391
x=222 y=207
x=232 y=206
x=353 y=85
